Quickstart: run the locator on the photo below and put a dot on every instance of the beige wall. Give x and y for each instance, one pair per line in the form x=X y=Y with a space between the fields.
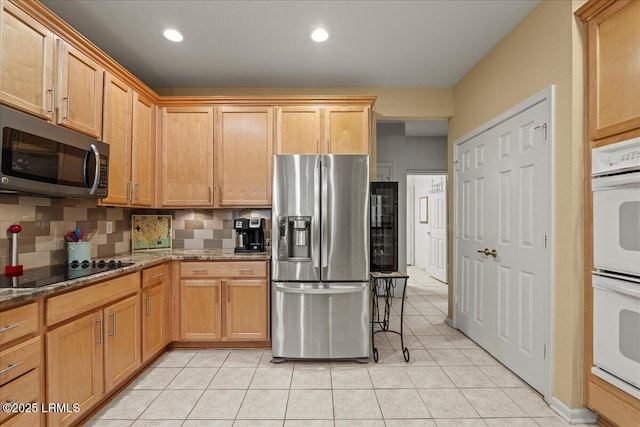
x=403 y=103
x=543 y=49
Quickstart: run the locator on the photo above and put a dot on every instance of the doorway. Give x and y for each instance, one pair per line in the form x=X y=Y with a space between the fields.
x=427 y=224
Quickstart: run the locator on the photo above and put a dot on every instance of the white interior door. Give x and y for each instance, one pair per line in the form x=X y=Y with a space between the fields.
x=438 y=231
x=411 y=228
x=503 y=200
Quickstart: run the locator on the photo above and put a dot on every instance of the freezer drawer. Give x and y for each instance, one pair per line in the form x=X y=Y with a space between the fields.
x=320 y=320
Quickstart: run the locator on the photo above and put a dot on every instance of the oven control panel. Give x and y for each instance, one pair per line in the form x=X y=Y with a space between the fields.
x=614 y=158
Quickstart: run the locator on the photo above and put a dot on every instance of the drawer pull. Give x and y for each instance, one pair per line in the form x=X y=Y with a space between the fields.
x=10 y=367
x=245 y=270
x=155 y=276
x=9 y=327
x=12 y=401
x=199 y=270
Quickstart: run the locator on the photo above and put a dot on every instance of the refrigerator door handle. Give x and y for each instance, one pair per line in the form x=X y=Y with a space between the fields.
x=323 y=226
x=315 y=221
x=319 y=291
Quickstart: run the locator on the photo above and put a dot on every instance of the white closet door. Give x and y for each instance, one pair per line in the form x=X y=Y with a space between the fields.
x=503 y=198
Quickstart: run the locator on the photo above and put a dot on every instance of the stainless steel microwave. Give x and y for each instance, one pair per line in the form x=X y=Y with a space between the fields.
x=40 y=158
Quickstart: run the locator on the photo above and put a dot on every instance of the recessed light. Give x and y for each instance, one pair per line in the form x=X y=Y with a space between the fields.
x=319 y=35
x=173 y=35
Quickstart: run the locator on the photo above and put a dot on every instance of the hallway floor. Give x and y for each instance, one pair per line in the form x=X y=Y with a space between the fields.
x=449 y=381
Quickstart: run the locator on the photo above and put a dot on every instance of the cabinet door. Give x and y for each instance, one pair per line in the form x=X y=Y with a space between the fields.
x=243 y=149
x=116 y=132
x=346 y=130
x=80 y=86
x=26 y=75
x=200 y=315
x=614 y=70
x=122 y=340
x=298 y=130
x=74 y=366
x=246 y=308
x=154 y=319
x=143 y=151
x=187 y=156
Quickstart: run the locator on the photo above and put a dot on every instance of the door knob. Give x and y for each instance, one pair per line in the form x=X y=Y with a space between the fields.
x=493 y=253
x=485 y=251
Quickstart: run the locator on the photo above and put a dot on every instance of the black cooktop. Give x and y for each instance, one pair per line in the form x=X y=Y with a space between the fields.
x=43 y=276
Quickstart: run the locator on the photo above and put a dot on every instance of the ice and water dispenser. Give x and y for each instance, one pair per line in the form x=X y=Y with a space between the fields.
x=295 y=238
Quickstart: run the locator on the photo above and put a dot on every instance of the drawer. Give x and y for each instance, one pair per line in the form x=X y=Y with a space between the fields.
x=71 y=304
x=24 y=419
x=19 y=359
x=18 y=322
x=224 y=269
x=25 y=389
x=155 y=275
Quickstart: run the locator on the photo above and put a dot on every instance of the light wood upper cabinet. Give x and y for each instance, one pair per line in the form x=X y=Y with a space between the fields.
x=121 y=341
x=80 y=91
x=143 y=151
x=117 y=133
x=27 y=63
x=613 y=55
x=323 y=129
x=187 y=156
x=243 y=148
x=347 y=130
x=129 y=129
x=242 y=297
x=75 y=358
x=298 y=130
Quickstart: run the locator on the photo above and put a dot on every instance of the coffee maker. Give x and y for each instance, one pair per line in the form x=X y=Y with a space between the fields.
x=249 y=234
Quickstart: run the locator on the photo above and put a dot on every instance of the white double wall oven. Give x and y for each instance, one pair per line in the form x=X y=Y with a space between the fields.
x=616 y=259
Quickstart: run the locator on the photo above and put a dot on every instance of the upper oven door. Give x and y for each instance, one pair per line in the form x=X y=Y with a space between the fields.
x=616 y=223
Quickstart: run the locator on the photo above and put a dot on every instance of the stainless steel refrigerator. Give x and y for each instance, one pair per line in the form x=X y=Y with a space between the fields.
x=320 y=257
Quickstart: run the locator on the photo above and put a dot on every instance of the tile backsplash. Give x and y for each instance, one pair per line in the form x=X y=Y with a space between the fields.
x=44 y=222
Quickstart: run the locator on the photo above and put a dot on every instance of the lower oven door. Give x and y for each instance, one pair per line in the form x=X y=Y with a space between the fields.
x=616 y=223
x=616 y=326
x=320 y=320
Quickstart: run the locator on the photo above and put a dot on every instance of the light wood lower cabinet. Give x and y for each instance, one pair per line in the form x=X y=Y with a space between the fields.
x=224 y=301
x=200 y=312
x=156 y=310
x=97 y=350
x=75 y=360
x=246 y=309
x=122 y=341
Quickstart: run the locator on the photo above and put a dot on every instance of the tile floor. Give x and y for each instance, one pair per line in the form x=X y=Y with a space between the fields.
x=449 y=381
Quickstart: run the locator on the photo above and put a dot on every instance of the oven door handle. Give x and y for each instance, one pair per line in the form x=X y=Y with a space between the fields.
x=617 y=287
x=616 y=181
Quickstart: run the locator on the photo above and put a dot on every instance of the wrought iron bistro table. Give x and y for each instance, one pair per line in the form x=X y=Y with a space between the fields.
x=387 y=284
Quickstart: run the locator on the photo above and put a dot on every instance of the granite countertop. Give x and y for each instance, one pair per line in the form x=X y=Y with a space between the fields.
x=141 y=260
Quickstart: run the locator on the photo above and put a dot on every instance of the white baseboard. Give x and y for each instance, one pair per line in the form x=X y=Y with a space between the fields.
x=573 y=415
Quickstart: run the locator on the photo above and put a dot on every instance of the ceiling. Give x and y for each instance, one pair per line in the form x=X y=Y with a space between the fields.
x=253 y=43
x=265 y=43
